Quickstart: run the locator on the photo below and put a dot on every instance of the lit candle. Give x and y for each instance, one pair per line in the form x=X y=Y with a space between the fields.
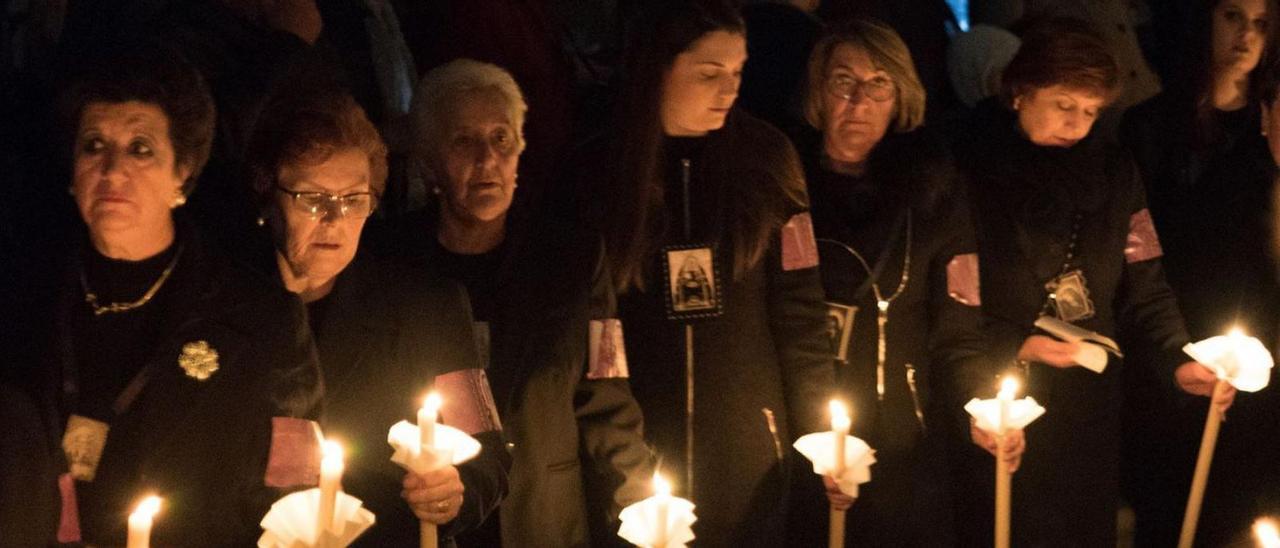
x=330 y=483
x=140 y=522
x=662 y=500
x=1267 y=533
x=1008 y=391
x=427 y=417
x=840 y=423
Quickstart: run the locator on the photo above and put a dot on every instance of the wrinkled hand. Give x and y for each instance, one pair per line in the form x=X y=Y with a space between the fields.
x=837 y=498
x=1015 y=444
x=1197 y=379
x=1047 y=350
x=435 y=496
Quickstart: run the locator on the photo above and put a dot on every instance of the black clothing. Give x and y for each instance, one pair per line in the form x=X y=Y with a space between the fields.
x=386 y=333
x=577 y=445
x=908 y=500
x=200 y=444
x=1028 y=201
x=766 y=351
x=1212 y=206
x=28 y=471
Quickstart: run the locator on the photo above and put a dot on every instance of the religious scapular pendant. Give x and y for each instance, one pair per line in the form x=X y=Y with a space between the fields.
x=83 y=443
x=1069 y=294
x=882 y=319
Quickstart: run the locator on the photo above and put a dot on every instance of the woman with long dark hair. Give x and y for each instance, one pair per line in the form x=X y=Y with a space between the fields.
x=1206 y=170
x=727 y=380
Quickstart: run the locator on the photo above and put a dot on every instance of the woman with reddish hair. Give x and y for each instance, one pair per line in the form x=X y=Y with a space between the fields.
x=1064 y=233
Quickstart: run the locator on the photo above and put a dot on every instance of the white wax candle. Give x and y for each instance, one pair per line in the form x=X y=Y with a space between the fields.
x=427 y=417
x=1267 y=533
x=1008 y=391
x=662 y=502
x=331 y=466
x=140 y=522
x=840 y=423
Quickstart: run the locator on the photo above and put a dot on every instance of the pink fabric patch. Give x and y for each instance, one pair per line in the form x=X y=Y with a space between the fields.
x=1141 y=244
x=608 y=358
x=799 y=247
x=962 y=279
x=468 y=401
x=69 y=523
x=295 y=453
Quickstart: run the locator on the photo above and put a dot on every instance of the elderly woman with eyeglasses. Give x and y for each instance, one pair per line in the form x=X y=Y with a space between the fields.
x=899 y=266
x=385 y=336
x=161 y=366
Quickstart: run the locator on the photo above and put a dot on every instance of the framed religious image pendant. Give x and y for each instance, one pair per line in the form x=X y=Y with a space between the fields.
x=840 y=328
x=83 y=443
x=1069 y=294
x=693 y=285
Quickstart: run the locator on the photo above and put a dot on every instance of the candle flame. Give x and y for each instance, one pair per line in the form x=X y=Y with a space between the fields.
x=1235 y=332
x=148 y=508
x=840 y=418
x=432 y=403
x=332 y=452
x=1008 y=388
x=660 y=485
x=1267 y=533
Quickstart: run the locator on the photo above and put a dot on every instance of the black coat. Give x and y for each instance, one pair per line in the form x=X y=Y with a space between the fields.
x=933 y=325
x=1026 y=199
x=384 y=335
x=766 y=352
x=1212 y=204
x=577 y=445
x=202 y=445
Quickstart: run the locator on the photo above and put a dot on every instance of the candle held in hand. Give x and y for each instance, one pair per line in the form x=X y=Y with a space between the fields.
x=427 y=417
x=662 y=497
x=331 y=467
x=140 y=522
x=1008 y=392
x=840 y=423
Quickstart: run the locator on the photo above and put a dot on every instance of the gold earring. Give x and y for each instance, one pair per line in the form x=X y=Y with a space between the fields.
x=179 y=200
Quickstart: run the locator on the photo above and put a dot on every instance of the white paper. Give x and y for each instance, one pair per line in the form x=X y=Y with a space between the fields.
x=291 y=522
x=819 y=448
x=1242 y=361
x=986 y=413
x=1091 y=356
x=452 y=446
x=640 y=527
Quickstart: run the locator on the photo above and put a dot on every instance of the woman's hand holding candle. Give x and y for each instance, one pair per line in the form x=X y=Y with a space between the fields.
x=435 y=496
x=1198 y=379
x=1015 y=444
x=837 y=498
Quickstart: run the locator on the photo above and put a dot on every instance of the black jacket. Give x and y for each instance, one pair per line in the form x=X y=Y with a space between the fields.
x=577 y=445
x=386 y=332
x=766 y=354
x=1026 y=200
x=934 y=341
x=201 y=444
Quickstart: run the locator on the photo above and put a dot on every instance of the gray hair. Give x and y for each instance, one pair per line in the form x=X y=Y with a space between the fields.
x=444 y=85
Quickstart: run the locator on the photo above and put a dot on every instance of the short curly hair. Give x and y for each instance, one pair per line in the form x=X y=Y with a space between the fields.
x=306 y=130
x=443 y=86
x=156 y=74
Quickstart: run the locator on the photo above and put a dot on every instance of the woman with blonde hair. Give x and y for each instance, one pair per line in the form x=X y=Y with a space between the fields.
x=897 y=248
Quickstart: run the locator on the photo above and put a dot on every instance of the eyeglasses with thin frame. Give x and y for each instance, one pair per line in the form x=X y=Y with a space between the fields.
x=876 y=88
x=318 y=205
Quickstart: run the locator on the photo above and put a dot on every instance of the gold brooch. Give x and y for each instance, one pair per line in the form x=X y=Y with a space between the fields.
x=198 y=360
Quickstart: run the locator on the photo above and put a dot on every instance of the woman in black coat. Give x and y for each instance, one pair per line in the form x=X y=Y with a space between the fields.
x=544 y=314
x=893 y=226
x=710 y=242
x=1064 y=232
x=168 y=368
x=386 y=335
x=1208 y=177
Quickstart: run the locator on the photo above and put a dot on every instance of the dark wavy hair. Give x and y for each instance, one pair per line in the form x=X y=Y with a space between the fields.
x=153 y=73
x=1197 y=79
x=635 y=182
